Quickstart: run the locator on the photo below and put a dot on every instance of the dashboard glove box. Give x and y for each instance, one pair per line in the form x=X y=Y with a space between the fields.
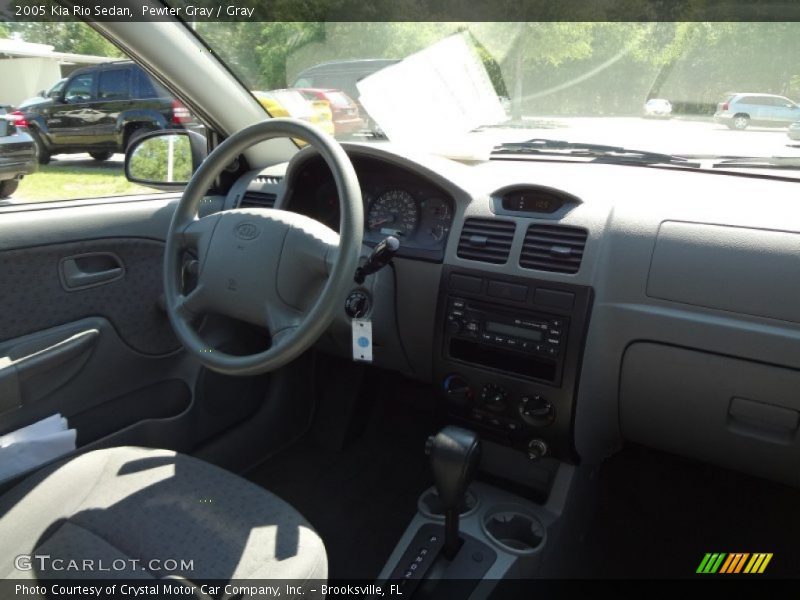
x=735 y=413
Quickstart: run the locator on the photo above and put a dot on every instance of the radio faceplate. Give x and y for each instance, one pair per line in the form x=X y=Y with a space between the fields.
x=528 y=333
x=509 y=358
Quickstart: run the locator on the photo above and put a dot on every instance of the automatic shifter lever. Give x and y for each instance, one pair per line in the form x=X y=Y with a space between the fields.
x=454 y=456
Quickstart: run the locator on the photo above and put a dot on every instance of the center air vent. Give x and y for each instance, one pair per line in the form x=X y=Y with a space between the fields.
x=555 y=248
x=486 y=240
x=257 y=200
x=268 y=179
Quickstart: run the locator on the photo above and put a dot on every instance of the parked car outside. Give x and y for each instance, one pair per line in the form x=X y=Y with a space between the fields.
x=657 y=108
x=344 y=75
x=291 y=103
x=740 y=110
x=341 y=74
x=345 y=112
x=54 y=91
x=17 y=154
x=101 y=110
x=794 y=131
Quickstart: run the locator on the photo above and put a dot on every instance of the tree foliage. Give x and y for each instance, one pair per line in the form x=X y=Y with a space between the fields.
x=546 y=68
x=73 y=36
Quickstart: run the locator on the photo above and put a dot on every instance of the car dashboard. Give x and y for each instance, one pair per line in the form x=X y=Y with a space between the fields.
x=563 y=308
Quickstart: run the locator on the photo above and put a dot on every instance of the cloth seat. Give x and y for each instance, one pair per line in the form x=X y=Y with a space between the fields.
x=136 y=505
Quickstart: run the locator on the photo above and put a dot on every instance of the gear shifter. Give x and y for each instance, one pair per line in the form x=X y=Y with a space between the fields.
x=454 y=456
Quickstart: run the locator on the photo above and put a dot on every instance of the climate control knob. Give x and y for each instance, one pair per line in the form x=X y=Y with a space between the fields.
x=536 y=410
x=457 y=389
x=494 y=397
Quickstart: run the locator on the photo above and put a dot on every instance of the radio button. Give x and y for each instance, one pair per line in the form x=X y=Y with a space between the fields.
x=453 y=327
x=457 y=304
x=554 y=341
x=500 y=339
x=487 y=337
x=511 y=342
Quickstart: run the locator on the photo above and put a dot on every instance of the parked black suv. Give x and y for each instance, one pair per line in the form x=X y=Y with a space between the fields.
x=101 y=110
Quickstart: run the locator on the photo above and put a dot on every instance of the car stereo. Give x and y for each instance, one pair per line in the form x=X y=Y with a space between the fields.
x=512 y=330
x=510 y=356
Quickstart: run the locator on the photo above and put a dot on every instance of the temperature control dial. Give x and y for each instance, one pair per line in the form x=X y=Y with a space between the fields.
x=494 y=397
x=536 y=410
x=457 y=389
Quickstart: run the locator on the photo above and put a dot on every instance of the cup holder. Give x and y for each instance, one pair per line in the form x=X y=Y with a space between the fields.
x=514 y=528
x=430 y=505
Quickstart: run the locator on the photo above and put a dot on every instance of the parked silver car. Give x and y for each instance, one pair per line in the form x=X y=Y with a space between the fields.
x=657 y=108
x=738 y=111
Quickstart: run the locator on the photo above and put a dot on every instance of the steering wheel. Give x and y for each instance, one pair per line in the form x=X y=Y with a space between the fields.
x=272 y=268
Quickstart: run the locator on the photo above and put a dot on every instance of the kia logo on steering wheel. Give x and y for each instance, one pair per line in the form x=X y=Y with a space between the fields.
x=246 y=231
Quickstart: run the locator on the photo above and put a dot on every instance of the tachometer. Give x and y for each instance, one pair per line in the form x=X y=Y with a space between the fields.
x=393 y=213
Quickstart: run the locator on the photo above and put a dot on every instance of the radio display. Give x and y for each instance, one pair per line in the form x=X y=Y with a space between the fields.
x=520 y=332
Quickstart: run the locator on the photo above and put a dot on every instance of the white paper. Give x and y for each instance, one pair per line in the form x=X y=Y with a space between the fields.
x=433 y=98
x=34 y=445
x=52 y=424
x=23 y=456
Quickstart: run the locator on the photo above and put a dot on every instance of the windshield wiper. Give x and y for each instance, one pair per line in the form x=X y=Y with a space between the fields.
x=598 y=153
x=757 y=162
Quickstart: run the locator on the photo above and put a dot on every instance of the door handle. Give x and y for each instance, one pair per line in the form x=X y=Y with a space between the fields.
x=88 y=270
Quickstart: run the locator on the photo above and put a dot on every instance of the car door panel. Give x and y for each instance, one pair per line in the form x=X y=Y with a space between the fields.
x=34 y=277
x=102 y=352
x=108 y=369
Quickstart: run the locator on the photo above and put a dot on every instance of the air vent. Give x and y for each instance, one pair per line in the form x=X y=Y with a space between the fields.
x=268 y=179
x=257 y=200
x=555 y=248
x=486 y=240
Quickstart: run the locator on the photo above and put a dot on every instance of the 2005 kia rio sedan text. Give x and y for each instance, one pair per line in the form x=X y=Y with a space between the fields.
x=505 y=329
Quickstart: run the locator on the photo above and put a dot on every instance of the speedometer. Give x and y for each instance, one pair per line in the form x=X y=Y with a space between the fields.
x=393 y=213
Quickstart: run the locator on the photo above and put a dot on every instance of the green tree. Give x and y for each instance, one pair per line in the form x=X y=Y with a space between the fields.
x=75 y=37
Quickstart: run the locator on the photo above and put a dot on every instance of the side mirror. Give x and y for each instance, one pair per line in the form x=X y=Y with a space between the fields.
x=42 y=93
x=55 y=94
x=165 y=159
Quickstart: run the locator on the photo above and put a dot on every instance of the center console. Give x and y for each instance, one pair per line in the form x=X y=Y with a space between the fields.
x=508 y=353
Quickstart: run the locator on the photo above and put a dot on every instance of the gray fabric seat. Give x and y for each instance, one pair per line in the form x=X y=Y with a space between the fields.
x=129 y=503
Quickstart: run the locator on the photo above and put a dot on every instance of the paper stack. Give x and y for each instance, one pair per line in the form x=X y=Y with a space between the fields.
x=34 y=445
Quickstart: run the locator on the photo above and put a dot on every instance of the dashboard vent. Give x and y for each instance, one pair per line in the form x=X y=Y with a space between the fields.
x=486 y=240
x=555 y=248
x=257 y=200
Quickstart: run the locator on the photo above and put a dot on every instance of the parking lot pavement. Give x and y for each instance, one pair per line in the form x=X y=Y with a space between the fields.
x=672 y=136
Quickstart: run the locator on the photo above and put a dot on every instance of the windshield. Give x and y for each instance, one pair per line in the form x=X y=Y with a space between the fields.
x=687 y=89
